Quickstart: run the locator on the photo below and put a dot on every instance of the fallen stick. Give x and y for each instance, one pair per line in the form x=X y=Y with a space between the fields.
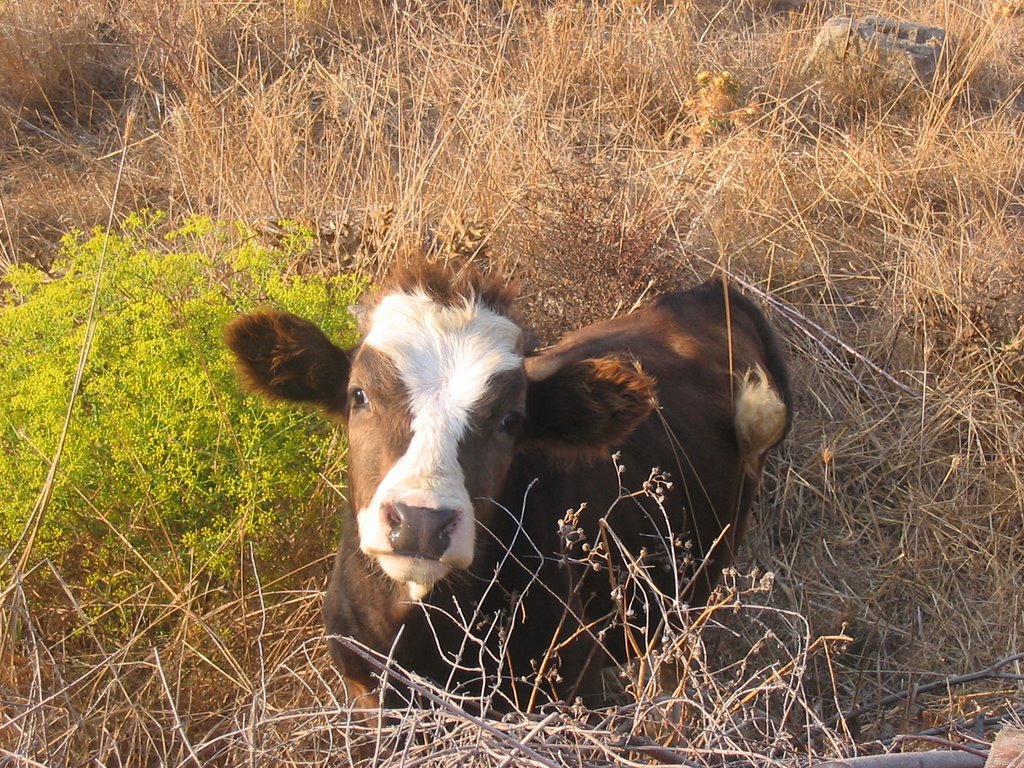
x=933 y=759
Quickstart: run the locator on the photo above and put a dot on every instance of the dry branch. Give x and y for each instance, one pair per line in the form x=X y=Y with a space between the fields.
x=446 y=703
x=976 y=725
x=934 y=759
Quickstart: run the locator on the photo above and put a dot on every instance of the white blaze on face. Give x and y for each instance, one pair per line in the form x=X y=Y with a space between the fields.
x=446 y=357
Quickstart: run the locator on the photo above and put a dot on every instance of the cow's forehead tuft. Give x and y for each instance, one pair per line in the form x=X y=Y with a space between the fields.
x=449 y=287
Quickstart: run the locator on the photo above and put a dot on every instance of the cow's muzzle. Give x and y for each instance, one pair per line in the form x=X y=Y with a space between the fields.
x=421 y=532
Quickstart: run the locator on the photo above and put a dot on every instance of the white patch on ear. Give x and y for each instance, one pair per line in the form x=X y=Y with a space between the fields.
x=760 y=418
x=446 y=357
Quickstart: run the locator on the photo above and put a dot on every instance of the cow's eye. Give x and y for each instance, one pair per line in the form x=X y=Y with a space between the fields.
x=358 y=398
x=509 y=422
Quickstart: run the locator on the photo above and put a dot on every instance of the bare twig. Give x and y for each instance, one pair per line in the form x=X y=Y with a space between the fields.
x=977 y=723
x=530 y=736
x=657 y=752
x=914 y=691
x=179 y=724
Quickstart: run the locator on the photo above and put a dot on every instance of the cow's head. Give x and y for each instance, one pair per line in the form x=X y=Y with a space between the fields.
x=438 y=396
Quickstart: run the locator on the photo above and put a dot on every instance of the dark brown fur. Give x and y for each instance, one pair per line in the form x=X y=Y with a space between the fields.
x=588 y=406
x=657 y=386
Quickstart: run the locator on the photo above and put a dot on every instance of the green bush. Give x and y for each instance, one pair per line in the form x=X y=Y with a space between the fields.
x=167 y=465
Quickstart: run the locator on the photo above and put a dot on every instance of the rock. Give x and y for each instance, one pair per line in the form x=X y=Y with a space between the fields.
x=912 y=52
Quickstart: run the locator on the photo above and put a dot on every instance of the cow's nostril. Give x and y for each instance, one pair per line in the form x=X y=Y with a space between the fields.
x=393 y=516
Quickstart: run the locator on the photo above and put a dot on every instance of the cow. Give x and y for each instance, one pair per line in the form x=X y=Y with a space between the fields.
x=526 y=516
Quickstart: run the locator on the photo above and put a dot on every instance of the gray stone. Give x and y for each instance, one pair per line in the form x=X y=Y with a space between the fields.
x=910 y=51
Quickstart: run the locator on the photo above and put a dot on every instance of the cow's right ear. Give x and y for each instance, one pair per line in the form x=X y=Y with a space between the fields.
x=286 y=357
x=586 y=408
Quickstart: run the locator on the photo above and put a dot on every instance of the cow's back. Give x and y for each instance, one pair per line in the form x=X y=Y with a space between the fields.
x=677 y=491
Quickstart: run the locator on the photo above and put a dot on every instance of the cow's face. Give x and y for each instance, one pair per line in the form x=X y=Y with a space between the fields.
x=438 y=398
x=435 y=399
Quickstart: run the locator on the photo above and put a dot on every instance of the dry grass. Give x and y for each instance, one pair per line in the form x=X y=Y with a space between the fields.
x=249 y=683
x=574 y=145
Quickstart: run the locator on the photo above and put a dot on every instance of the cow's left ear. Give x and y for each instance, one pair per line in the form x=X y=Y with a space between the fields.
x=286 y=357
x=587 y=407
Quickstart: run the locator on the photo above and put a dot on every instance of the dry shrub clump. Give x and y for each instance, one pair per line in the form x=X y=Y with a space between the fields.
x=580 y=148
x=247 y=681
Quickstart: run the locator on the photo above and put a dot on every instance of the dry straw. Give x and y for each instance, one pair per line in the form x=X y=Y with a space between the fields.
x=571 y=144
